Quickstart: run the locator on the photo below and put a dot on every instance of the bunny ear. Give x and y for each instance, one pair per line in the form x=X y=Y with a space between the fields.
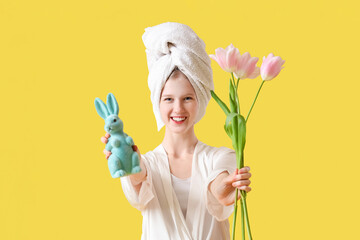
x=101 y=108
x=112 y=104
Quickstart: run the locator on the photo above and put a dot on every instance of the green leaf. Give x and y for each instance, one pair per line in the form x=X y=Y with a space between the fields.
x=228 y=130
x=228 y=125
x=221 y=103
x=229 y=118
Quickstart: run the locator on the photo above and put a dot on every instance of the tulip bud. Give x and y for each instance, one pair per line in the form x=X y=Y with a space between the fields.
x=271 y=67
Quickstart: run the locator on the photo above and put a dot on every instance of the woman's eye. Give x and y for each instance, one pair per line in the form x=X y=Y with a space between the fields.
x=188 y=98
x=167 y=99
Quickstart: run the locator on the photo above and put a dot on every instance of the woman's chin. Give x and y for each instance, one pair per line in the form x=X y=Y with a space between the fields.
x=179 y=128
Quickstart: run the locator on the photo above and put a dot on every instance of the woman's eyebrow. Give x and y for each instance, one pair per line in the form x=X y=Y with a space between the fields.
x=167 y=95
x=186 y=94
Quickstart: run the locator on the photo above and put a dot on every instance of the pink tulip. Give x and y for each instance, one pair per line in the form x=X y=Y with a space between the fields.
x=226 y=58
x=230 y=60
x=271 y=67
x=247 y=67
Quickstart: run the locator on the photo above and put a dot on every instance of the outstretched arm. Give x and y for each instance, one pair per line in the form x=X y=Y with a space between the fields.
x=224 y=185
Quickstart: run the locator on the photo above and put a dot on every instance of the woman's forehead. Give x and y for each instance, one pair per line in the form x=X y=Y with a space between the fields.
x=178 y=85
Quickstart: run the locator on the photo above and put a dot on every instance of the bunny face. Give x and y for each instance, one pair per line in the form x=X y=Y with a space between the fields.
x=113 y=124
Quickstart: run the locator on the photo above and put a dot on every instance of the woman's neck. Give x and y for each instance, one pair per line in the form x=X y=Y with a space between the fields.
x=178 y=144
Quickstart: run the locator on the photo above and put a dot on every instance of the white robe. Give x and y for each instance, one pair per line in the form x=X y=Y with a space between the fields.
x=206 y=218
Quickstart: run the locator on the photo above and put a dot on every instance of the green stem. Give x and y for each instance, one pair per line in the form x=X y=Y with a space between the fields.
x=244 y=206
x=232 y=79
x=241 y=165
x=237 y=96
x=241 y=162
x=236 y=92
x=242 y=219
x=235 y=214
x=234 y=126
x=238 y=160
x=234 y=123
x=254 y=101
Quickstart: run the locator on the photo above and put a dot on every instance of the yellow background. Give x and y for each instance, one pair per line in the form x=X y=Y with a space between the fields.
x=302 y=142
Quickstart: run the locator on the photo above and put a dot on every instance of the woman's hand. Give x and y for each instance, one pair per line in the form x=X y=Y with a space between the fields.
x=224 y=185
x=240 y=179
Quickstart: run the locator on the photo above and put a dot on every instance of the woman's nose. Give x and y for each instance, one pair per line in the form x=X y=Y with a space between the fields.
x=178 y=106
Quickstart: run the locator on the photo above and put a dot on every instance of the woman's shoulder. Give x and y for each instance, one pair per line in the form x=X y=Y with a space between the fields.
x=210 y=151
x=217 y=157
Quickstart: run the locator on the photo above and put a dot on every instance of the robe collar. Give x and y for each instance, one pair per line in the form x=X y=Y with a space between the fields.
x=177 y=215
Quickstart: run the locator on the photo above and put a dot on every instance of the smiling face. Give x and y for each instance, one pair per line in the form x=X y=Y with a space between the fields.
x=178 y=104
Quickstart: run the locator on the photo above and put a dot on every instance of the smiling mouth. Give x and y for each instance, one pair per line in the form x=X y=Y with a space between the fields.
x=178 y=119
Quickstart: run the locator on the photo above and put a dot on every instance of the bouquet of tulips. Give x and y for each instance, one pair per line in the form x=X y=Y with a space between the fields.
x=242 y=66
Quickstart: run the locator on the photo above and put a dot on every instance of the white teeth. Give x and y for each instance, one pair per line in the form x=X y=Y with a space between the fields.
x=178 y=119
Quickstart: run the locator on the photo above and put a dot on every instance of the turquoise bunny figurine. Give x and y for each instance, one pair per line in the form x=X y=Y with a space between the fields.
x=123 y=159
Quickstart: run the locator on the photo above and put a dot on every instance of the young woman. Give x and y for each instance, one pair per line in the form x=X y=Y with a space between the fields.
x=186 y=188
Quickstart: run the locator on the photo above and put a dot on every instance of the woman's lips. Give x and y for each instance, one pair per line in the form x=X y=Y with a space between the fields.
x=178 y=120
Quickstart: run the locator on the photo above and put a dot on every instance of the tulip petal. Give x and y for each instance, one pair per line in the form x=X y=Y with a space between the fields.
x=255 y=73
x=251 y=64
x=228 y=48
x=231 y=60
x=242 y=60
x=212 y=56
x=220 y=55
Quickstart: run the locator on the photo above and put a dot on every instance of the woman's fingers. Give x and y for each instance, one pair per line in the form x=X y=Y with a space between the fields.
x=237 y=175
x=245 y=188
x=244 y=169
x=241 y=179
x=107 y=153
x=104 y=139
x=241 y=183
x=242 y=176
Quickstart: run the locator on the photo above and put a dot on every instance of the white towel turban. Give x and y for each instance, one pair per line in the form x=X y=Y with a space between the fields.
x=169 y=45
